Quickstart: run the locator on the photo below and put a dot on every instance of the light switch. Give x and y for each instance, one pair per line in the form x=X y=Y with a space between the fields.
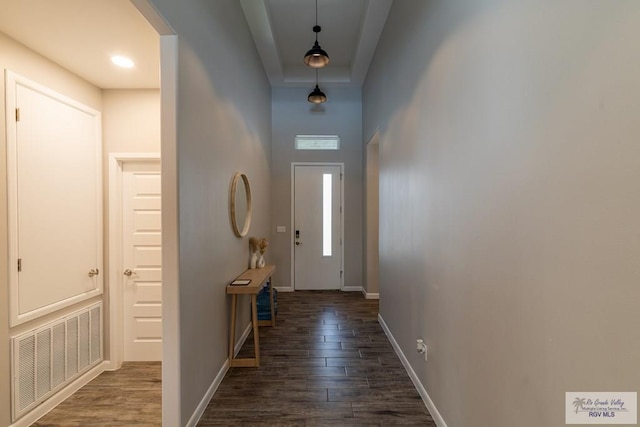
x=281 y=229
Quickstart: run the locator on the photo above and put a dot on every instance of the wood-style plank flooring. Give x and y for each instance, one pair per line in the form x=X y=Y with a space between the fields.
x=130 y=396
x=327 y=363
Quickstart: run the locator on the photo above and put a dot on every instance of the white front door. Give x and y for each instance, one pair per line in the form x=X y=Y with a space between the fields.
x=142 y=261
x=317 y=227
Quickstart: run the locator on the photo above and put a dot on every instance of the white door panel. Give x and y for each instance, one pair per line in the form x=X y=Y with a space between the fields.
x=55 y=199
x=142 y=255
x=317 y=227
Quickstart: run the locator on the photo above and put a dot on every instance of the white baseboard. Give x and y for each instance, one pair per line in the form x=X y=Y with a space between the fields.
x=110 y=365
x=202 y=406
x=370 y=295
x=197 y=414
x=281 y=289
x=351 y=289
x=45 y=407
x=437 y=417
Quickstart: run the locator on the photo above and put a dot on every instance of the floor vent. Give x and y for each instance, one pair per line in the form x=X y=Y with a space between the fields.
x=47 y=358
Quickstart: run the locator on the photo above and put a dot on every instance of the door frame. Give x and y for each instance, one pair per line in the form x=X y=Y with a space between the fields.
x=117 y=162
x=292 y=225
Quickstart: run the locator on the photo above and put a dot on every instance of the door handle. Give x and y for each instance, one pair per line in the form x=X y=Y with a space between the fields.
x=94 y=272
x=298 y=243
x=127 y=272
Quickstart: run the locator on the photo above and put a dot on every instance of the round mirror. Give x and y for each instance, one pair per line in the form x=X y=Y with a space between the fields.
x=240 y=204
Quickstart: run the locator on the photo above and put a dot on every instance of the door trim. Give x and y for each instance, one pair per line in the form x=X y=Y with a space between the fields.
x=115 y=281
x=292 y=224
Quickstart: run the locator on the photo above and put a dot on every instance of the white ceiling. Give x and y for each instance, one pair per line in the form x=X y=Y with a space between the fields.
x=81 y=36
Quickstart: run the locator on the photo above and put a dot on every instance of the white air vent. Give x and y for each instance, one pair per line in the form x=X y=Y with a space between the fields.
x=48 y=358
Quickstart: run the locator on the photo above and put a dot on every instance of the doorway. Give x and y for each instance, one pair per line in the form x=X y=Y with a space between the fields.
x=136 y=261
x=317 y=226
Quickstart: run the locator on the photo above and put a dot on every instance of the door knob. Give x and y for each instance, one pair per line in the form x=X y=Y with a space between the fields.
x=298 y=243
x=127 y=272
x=94 y=272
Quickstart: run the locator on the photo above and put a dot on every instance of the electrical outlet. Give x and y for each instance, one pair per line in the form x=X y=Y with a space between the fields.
x=421 y=348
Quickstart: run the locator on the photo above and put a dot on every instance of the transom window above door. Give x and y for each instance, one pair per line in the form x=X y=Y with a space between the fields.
x=317 y=142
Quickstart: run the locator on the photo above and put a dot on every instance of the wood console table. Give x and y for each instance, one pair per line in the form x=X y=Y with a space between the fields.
x=258 y=277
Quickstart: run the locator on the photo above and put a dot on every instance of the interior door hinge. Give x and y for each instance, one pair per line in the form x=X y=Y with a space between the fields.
x=341 y=272
x=17 y=114
x=19 y=265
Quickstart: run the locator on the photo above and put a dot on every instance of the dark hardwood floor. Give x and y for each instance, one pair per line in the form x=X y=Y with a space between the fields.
x=327 y=363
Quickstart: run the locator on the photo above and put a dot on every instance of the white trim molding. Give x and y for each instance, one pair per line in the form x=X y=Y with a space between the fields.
x=370 y=295
x=352 y=289
x=435 y=414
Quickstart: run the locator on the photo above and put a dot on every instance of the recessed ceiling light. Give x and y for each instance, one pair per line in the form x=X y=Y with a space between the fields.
x=122 y=61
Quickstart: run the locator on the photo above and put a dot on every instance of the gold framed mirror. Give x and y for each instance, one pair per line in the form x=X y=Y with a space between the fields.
x=240 y=204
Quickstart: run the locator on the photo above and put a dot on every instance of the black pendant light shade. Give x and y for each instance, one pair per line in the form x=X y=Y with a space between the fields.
x=317 y=96
x=316 y=57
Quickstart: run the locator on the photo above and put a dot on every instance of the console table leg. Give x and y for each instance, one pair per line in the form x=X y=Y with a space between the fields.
x=273 y=307
x=232 y=331
x=254 y=315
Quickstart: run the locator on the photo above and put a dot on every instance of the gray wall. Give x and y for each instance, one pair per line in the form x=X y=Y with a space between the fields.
x=223 y=125
x=341 y=115
x=509 y=202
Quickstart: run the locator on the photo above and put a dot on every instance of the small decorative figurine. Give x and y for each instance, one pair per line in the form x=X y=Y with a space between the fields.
x=257 y=247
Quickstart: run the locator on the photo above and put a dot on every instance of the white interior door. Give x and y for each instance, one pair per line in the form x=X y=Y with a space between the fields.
x=317 y=227
x=55 y=199
x=142 y=261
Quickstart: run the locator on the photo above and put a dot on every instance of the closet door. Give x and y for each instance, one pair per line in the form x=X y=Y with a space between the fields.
x=55 y=200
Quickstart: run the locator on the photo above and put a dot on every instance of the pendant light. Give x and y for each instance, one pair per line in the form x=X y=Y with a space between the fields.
x=317 y=96
x=316 y=57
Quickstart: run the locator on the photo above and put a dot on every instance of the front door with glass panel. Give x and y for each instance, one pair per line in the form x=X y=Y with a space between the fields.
x=317 y=227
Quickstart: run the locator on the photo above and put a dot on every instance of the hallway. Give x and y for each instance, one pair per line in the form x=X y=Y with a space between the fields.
x=327 y=363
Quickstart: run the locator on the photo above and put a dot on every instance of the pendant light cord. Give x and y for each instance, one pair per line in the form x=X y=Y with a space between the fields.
x=316 y=19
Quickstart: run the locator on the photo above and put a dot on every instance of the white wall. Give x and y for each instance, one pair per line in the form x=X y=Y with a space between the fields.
x=131 y=121
x=341 y=115
x=223 y=126
x=509 y=165
x=20 y=59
